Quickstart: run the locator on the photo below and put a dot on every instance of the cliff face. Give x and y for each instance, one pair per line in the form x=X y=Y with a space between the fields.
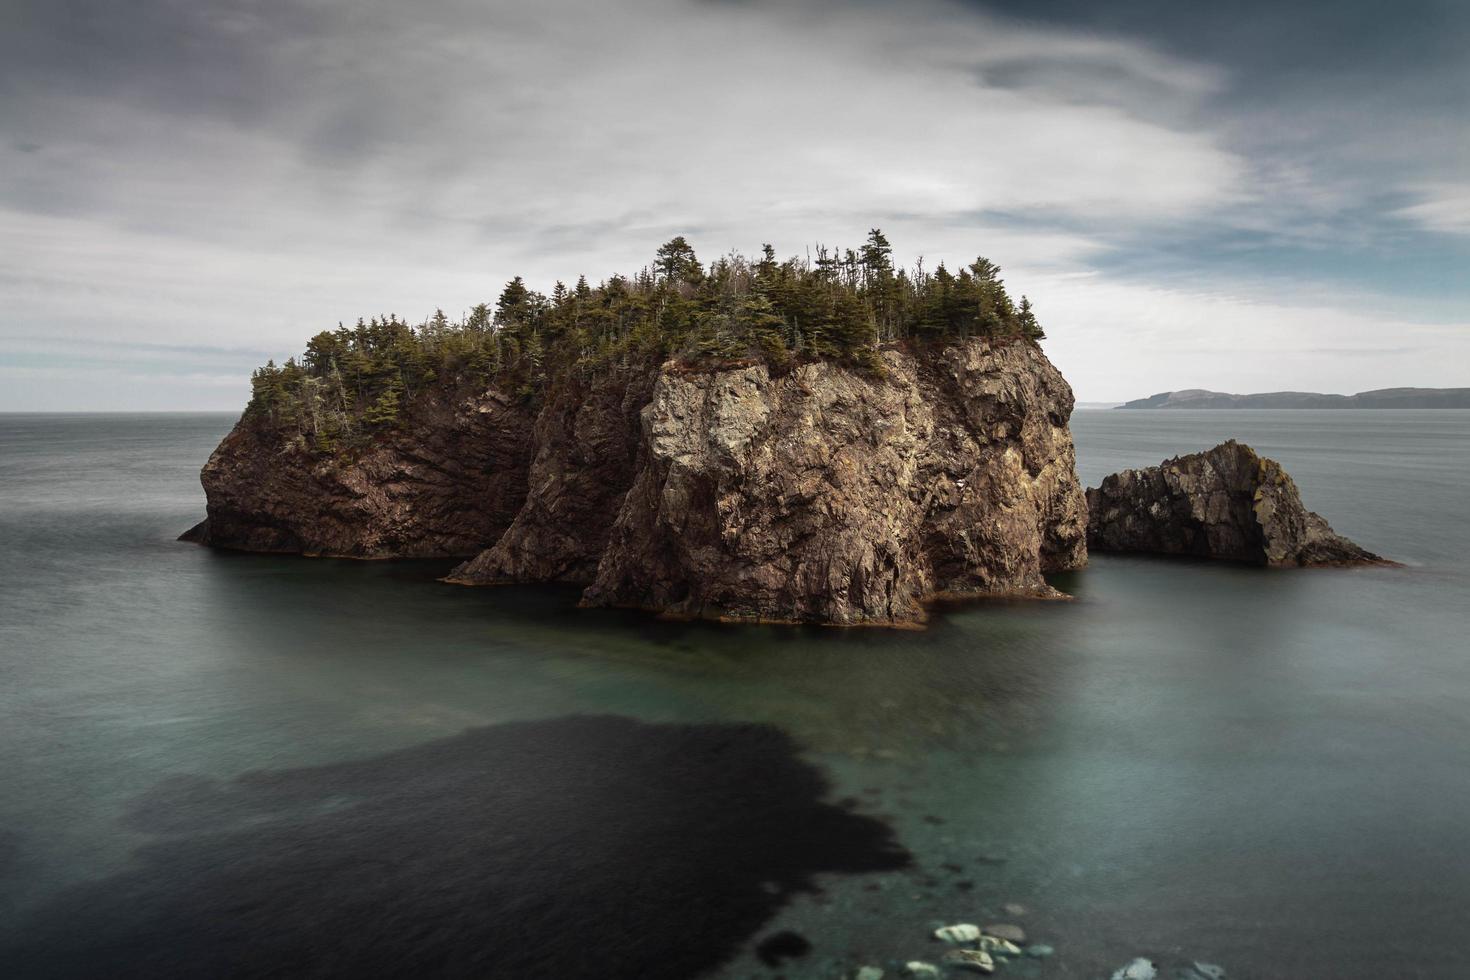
x=586 y=441
x=448 y=481
x=820 y=495
x=1226 y=503
x=829 y=496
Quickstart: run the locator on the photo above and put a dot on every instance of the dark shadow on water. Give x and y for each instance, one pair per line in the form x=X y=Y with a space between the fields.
x=577 y=847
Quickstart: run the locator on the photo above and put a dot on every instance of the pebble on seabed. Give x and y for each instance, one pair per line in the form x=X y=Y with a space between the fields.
x=963 y=932
x=868 y=973
x=994 y=944
x=1209 y=971
x=1139 y=969
x=970 y=959
x=918 y=968
x=1005 y=930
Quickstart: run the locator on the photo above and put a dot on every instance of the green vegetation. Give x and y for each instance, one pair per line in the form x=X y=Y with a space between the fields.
x=843 y=305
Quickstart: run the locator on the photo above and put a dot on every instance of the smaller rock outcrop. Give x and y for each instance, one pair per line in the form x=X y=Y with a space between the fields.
x=1227 y=503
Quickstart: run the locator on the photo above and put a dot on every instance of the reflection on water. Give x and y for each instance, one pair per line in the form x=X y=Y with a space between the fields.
x=1260 y=769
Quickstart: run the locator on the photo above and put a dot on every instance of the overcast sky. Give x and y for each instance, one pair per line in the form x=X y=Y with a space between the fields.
x=1247 y=196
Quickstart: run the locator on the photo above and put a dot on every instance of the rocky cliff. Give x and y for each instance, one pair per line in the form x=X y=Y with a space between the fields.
x=821 y=494
x=1227 y=503
x=586 y=448
x=448 y=481
x=827 y=495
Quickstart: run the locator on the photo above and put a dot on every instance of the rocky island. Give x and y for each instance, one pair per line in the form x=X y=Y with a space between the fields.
x=1227 y=503
x=836 y=441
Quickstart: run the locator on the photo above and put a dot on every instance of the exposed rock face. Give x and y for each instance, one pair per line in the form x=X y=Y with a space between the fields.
x=586 y=441
x=1226 y=503
x=826 y=495
x=448 y=481
x=820 y=495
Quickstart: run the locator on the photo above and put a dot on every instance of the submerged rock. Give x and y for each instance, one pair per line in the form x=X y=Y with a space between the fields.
x=963 y=932
x=1040 y=951
x=975 y=960
x=1227 y=503
x=919 y=968
x=868 y=973
x=994 y=944
x=785 y=945
x=1139 y=969
x=1006 y=931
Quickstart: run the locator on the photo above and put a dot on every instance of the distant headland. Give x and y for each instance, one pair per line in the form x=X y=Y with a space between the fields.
x=1378 y=398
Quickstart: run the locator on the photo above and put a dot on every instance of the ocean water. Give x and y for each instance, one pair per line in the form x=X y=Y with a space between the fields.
x=215 y=764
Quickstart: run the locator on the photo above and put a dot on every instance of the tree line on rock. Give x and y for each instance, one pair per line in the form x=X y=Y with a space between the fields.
x=840 y=305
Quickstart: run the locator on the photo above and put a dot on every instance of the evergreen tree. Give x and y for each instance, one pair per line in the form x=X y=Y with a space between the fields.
x=514 y=302
x=480 y=319
x=384 y=411
x=676 y=262
x=842 y=305
x=877 y=258
x=1026 y=319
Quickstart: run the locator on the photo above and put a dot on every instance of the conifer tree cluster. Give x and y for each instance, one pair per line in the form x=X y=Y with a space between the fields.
x=841 y=305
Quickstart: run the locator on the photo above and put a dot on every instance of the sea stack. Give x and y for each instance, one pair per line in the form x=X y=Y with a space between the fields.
x=831 y=495
x=820 y=494
x=756 y=440
x=1227 y=503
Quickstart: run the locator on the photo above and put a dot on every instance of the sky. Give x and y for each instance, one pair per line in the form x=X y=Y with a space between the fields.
x=1250 y=196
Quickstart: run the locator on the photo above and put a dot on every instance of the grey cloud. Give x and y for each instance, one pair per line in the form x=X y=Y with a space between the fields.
x=214 y=57
x=220 y=172
x=1363 y=351
x=1360 y=94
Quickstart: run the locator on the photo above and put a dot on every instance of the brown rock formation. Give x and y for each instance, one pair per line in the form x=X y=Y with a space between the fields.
x=447 y=481
x=586 y=441
x=1227 y=503
x=826 y=495
x=823 y=494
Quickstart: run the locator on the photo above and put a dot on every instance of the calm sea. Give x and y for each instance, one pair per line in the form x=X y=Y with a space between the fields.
x=215 y=764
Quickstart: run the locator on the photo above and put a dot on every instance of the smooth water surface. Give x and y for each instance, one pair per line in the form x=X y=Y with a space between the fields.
x=213 y=759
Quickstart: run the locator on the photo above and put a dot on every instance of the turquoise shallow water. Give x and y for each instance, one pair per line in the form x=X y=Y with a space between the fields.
x=262 y=760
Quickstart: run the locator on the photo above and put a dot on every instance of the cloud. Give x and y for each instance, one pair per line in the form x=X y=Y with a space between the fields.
x=571 y=112
x=1115 y=340
x=1444 y=208
x=232 y=174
